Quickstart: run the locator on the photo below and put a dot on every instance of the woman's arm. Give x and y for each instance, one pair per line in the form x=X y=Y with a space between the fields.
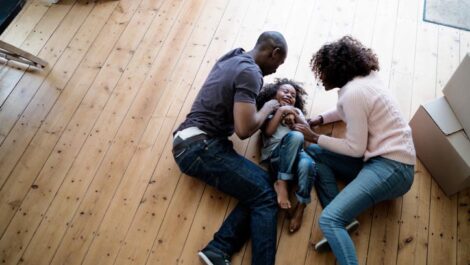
x=355 y=141
x=330 y=116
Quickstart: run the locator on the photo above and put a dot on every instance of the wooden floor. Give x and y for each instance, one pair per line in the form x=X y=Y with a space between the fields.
x=86 y=172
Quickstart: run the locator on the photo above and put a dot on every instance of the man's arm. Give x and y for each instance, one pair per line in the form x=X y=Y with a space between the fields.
x=248 y=120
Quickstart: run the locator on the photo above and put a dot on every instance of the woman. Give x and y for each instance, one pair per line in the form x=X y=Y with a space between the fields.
x=376 y=158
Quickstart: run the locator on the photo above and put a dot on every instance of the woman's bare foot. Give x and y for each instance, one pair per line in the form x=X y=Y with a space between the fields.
x=296 y=220
x=282 y=194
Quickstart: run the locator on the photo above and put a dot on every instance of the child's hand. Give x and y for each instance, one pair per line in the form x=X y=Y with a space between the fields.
x=287 y=109
x=289 y=120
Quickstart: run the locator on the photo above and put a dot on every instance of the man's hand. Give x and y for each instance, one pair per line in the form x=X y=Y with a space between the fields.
x=308 y=133
x=271 y=106
x=247 y=120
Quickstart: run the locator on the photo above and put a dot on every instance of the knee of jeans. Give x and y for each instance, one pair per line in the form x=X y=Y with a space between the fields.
x=314 y=151
x=266 y=198
x=307 y=166
x=328 y=219
x=325 y=220
x=295 y=137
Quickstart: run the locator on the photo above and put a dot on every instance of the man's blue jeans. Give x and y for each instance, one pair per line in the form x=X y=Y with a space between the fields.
x=215 y=162
x=290 y=162
x=369 y=183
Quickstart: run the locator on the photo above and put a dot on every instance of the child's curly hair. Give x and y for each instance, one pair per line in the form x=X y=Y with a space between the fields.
x=337 y=63
x=269 y=92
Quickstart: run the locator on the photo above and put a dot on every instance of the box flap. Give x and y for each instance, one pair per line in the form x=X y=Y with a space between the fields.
x=461 y=144
x=443 y=116
x=457 y=93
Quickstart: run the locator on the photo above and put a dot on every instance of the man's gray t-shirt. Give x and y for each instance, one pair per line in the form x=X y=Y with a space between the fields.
x=234 y=78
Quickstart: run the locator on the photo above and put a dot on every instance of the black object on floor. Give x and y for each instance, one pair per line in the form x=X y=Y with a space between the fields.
x=8 y=10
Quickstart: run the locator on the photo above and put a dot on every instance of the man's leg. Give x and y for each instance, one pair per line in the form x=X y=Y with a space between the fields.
x=216 y=163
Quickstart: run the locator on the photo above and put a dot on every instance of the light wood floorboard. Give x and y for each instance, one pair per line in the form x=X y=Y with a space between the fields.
x=86 y=171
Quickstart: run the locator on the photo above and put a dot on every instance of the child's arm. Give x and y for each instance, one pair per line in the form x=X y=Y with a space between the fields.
x=299 y=117
x=272 y=124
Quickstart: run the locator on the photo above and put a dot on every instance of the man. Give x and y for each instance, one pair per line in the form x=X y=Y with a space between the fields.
x=226 y=104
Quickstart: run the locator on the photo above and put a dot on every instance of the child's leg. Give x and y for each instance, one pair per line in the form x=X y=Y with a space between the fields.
x=306 y=176
x=288 y=149
x=286 y=155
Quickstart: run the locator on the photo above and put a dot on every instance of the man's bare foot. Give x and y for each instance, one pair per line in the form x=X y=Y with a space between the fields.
x=296 y=220
x=282 y=194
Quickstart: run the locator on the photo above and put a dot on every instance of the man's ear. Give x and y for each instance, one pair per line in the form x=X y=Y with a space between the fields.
x=276 y=52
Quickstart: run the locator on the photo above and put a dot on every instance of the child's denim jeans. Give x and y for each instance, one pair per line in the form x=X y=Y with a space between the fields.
x=290 y=162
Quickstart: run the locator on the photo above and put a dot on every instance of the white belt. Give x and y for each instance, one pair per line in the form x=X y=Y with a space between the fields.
x=189 y=132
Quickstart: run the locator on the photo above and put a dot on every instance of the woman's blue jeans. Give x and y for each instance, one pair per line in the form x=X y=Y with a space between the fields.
x=215 y=162
x=369 y=183
x=290 y=162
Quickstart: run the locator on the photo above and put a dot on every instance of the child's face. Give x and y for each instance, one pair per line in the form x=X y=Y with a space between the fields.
x=286 y=95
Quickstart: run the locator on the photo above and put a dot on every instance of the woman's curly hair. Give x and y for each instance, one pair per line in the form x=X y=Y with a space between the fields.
x=269 y=92
x=337 y=63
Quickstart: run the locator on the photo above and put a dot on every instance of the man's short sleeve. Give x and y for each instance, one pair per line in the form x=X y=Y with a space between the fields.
x=247 y=86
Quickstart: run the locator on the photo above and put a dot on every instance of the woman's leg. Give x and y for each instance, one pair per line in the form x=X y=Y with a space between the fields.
x=330 y=167
x=380 y=179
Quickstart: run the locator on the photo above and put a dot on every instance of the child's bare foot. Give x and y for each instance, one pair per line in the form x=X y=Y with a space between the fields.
x=282 y=194
x=296 y=220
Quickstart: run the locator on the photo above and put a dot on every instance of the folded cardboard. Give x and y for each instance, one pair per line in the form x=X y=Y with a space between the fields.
x=440 y=133
x=457 y=93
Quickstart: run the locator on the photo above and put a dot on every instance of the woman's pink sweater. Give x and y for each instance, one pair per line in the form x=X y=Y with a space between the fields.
x=374 y=124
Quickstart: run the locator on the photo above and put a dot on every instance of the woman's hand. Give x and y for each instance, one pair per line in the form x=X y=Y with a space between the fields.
x=318 y=120
x=308 y=133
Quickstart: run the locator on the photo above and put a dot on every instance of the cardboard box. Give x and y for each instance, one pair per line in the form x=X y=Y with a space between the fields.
x=439 y=133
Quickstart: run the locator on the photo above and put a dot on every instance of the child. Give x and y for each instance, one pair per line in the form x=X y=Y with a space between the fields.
x=283 y=148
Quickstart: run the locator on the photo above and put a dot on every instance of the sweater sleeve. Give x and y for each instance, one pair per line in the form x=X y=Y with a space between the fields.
x=330 y=116
x=355 y=112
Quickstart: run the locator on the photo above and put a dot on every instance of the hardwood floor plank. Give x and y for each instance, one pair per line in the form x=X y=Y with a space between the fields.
x=20 y=82
x=414 y=225
x=12 y=249
x=463 y=228
x=128 y=134
x=213 y=204
x=17 y=31
x=18 y=128
x=113 y=230
x=86 y=171
x=442 y=227
x=326 y=28
x=104 y=72
x=387 y=215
